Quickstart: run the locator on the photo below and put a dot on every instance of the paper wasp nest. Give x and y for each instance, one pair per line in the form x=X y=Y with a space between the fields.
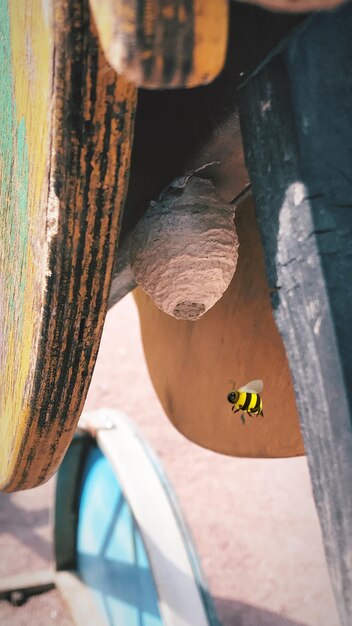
x=184 y=249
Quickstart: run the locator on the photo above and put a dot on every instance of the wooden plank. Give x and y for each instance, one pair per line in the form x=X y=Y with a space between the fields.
x=67 y=122
x=190 y=363
x=160 y=44
x=297 y=129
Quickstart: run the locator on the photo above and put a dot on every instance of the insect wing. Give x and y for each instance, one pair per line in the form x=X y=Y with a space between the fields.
x=254 y=386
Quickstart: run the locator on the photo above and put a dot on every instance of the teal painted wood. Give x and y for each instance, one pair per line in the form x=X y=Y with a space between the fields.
x=111 y=558
x=14 y=183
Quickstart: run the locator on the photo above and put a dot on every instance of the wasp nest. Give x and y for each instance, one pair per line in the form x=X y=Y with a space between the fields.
x=184 y=249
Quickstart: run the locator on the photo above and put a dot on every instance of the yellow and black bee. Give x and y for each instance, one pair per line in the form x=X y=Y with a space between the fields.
x=247 y=399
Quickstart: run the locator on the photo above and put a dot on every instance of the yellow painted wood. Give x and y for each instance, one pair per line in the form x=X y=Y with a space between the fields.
x=66 y=124
x=23 y=198
x=210 y=41
x=161 y=44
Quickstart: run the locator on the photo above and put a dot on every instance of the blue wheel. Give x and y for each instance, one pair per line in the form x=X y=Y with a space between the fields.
x=123 y=554
x=111 y=557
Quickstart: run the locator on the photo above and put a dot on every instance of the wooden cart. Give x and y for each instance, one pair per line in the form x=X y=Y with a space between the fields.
x=222 y=86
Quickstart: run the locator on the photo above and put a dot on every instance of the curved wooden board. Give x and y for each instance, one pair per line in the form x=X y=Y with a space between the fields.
x=66 y=124
x=159 y=44
x=190 y=363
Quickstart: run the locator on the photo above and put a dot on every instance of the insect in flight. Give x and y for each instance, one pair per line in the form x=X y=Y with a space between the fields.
x=247 y=399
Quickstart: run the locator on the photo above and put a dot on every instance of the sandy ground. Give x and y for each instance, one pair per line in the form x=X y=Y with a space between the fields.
x=253 y=521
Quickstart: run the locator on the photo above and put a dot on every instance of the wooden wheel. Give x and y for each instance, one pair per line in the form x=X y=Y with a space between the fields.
x=160 y=44
x=66 y=124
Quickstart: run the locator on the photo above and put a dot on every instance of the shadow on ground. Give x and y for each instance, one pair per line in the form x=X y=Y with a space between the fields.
x=20 y=524
x=235 y=613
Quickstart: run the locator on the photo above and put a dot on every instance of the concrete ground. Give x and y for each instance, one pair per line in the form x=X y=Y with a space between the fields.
x=253 y=521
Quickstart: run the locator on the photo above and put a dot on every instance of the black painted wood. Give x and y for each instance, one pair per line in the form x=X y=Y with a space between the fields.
x=296 y=119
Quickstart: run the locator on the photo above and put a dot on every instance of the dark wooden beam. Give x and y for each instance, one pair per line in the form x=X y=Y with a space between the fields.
x=296 y=119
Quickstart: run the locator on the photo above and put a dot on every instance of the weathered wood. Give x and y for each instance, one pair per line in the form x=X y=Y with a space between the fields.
x=190 y=363
x=297 y=128
x=160 y=44
x=66 y=124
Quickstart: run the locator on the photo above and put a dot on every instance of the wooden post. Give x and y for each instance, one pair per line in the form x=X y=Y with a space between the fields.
x=296 y=117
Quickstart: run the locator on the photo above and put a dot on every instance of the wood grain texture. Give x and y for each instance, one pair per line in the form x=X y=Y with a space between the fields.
x=161 y=44
x=190 y=363
x=64 y=161
x=297 y=129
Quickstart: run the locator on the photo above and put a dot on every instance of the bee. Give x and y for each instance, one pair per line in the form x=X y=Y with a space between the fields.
x=247 y=399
